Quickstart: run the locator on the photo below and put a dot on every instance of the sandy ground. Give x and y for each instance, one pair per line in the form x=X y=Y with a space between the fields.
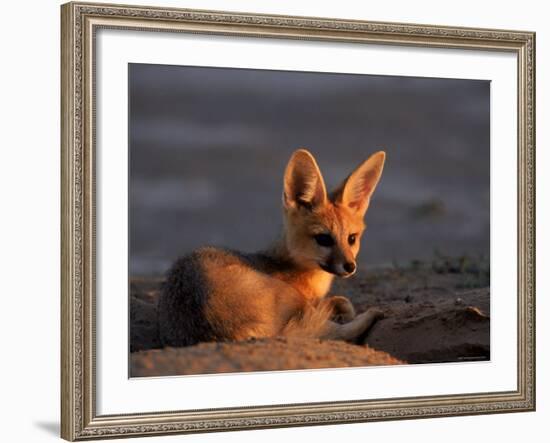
x=435 y=311
x=256 y=355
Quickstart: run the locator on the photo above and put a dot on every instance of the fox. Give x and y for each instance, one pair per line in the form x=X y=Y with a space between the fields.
x=215 y=294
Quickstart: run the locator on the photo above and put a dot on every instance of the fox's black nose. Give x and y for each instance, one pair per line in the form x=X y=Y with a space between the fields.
x=349 y=267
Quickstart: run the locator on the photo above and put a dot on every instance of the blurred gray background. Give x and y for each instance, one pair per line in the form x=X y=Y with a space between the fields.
x=208 y=147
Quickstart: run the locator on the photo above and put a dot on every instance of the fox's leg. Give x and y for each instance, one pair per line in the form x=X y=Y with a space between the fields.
x=353 y=329
x=245 y=303
x=342 y=309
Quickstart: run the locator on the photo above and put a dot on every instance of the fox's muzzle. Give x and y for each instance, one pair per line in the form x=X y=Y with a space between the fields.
x=346 y=269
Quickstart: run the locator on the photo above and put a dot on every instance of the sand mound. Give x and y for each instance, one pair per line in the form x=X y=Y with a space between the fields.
x=256 y=355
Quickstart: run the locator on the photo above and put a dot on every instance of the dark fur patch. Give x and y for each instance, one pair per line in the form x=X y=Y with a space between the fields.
x=267 y=261
x=181 y=309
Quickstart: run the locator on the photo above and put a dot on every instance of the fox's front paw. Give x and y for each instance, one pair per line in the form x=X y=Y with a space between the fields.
x=376 y=313
x=342 y=308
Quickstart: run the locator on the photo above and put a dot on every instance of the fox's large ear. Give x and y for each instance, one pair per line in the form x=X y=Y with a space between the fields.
x=303 y=182
x=355 y=192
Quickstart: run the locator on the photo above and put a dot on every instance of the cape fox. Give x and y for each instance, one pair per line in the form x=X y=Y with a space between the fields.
x=217 y=294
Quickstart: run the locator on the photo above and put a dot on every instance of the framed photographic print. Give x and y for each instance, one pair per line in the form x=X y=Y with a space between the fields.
x=282 y=221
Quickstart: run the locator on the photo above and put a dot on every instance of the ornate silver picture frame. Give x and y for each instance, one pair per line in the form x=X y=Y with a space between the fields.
x=80 y=23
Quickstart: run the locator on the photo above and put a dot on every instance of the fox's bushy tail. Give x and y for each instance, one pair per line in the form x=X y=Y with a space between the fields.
x=312 y=323
x=316 y=322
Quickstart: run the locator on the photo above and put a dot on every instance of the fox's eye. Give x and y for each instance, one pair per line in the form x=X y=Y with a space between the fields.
x=325 y=240
x=352 y=238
